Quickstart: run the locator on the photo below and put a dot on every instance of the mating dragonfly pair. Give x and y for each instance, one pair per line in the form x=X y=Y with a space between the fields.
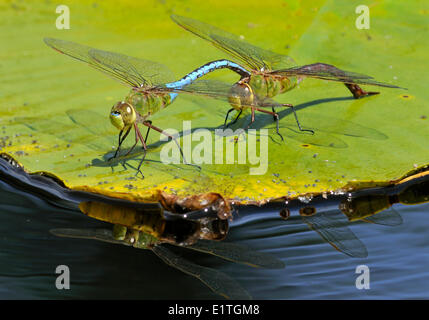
x=263 y=75
x=150 y=227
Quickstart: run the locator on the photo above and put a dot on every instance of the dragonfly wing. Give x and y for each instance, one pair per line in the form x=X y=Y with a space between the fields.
x=130 y=71
x=261 y=59
x=103 y=235
x=389 y=217
x=253 y=57
x=139 y=71
x=217 y=281
x=336 y=233
x=211 y=88
x=222 y=91
x=237 y=253
x=329 y=72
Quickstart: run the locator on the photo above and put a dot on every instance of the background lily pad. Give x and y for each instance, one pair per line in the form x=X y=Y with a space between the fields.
x=54 y=111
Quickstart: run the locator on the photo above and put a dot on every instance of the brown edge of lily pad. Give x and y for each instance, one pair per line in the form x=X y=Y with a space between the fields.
x=183 y=204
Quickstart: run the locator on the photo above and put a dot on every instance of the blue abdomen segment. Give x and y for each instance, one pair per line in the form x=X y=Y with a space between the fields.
x=203 y=70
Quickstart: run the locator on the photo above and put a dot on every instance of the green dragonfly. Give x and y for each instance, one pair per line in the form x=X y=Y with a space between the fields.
x=152 y=87
x=270 y=73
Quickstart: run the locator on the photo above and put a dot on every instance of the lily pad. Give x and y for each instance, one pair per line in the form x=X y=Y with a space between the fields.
x=54 y=114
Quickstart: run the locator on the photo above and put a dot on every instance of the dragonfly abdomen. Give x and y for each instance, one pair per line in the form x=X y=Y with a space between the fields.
x=205 y=69
x=202 y=71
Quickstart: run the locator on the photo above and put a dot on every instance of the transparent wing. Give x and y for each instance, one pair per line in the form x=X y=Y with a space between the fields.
x=222 y=91
x=237 y=253
x=253 y=57
x=389 y=217
x=103 y=235
x=336 y=233
x=263 y=60
x=217 y=281
x=211 y=88
x=130 y=71
x=144 y=72
x=331 y=73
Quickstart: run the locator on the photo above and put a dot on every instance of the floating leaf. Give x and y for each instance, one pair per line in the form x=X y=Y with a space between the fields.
x=54 y=114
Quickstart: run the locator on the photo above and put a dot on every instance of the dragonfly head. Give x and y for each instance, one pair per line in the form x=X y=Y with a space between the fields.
x=122 y=115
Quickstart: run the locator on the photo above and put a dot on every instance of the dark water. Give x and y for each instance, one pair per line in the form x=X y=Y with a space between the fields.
x=398 y=258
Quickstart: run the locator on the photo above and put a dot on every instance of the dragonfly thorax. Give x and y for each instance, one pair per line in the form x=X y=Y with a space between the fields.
x=268 y=85
x=122 y=115
x=135 y=238
x=147 y=102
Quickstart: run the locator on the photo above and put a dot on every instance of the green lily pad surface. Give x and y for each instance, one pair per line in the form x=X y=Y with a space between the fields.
x=54 y=110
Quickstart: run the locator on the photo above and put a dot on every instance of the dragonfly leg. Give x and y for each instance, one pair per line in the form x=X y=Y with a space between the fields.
x=149 y=124
x=296 y=118
x=140 y=137
x=251 y=121
x=274 y=111
x=119 y=143
x=227 y=114
x=276 y=118
x=358 y=92
x=147 y=132
x=236 y=118
x=252 y=118
x=135 y=143
x=120 y=140
x=137 y=140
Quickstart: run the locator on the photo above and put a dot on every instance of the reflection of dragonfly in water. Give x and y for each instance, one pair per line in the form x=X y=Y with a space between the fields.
x=270 y=73
x=150 y=227
x=217 y=281
x=331 y=226
x=326 y=217
x=152 y=86
x=374 y=205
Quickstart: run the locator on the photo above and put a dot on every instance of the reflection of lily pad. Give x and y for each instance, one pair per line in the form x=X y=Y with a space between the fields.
x=54 y=110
